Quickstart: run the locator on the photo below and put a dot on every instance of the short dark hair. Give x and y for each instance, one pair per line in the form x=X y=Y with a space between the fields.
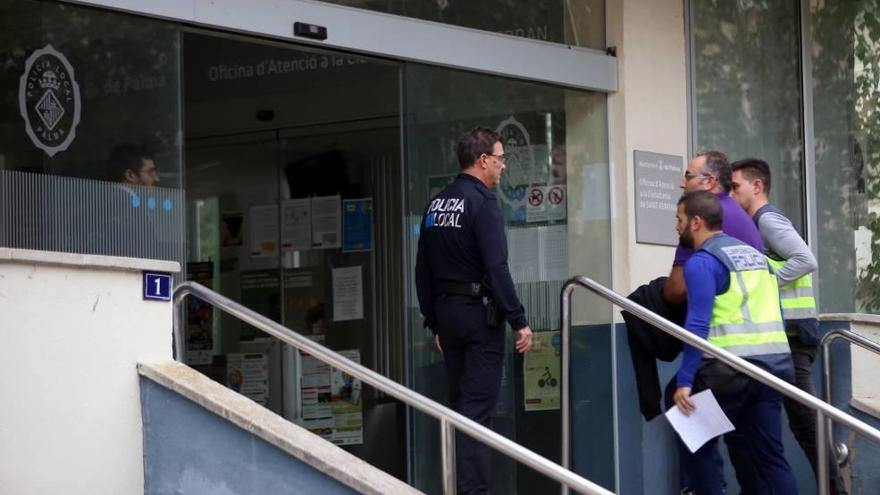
x=474 y=143
x=717 y=166
x=754 y=168
x=703 y=204
x=127 y=157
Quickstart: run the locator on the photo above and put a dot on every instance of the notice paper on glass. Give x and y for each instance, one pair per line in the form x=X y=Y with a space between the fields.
x=326 y=222
x=706 y=422
x=296 y=224
x=263 y=220
x=348 y=294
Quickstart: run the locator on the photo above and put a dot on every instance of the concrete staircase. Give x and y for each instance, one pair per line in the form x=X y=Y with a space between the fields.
x=203 y=438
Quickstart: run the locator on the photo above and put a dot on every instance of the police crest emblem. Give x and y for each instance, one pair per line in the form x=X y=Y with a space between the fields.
x=520 y=162
x=49 y=100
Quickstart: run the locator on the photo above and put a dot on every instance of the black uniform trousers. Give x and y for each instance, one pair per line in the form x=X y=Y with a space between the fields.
x=473 y=353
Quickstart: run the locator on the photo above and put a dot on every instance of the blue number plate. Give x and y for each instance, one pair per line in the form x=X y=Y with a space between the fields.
x=157 y=286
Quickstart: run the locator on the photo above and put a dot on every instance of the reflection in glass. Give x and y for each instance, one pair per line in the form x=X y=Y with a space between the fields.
x=554 y=198
x=290 y=152
x=747 y=89
x=94 y=164
x=571 y=22
x=846 y=78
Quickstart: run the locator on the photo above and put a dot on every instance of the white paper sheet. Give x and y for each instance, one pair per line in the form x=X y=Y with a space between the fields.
x=706 y=422
x=263 y=220
x=326 y=222
x=348 y=294
x=296 y=224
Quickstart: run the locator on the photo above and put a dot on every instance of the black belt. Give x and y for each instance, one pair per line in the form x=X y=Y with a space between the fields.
x=472 y=289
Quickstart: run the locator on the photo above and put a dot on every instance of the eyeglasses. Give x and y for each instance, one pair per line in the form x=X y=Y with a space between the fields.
x=688 y=176
x=499 y=157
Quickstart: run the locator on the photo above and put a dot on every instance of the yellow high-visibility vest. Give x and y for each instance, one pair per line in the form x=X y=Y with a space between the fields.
x=746 y=319
x=798 y=302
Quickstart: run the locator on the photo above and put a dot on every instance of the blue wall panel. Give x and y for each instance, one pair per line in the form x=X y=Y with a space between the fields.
x=864 y=459
x=188 y=449
x=592 y=410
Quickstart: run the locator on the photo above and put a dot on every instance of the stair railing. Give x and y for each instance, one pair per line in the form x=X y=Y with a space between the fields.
x=450 y=421
x=823 y=410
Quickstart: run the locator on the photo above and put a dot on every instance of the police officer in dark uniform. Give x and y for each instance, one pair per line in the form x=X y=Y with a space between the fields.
x=466 y=293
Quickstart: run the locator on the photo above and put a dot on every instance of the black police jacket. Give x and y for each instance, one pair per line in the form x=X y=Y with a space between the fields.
x=462 y=239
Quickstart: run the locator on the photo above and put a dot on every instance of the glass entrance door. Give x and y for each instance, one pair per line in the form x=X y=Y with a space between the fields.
x=554 y=195
x=306 y=174
x=292 y=170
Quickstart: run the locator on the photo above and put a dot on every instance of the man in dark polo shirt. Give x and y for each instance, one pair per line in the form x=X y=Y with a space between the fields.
x=467 y=296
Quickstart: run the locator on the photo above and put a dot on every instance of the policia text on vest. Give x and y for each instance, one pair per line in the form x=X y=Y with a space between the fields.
x=733 y=301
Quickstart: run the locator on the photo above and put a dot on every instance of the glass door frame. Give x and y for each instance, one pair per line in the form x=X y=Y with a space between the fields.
x=378 y=34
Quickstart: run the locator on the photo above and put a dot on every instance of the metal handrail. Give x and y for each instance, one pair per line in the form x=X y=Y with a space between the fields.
x=449 y=419
x=822 y=409
x=840 y=450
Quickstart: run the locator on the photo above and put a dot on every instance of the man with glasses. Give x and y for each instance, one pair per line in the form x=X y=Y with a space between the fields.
x=710 y=171
x=667 y=296
x=134 y=165
x=466 y=293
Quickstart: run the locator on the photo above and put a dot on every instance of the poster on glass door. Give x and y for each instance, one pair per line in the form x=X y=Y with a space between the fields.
x=345 y=400
x=317 y=414
x=296 y=224
x=326 y=222
x=248 y=374
x=331 y=401
x=357 y=225
x=541 y=381
x=199 y=316
x=263 y=231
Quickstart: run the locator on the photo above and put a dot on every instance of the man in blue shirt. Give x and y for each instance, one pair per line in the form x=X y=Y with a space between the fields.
x=745 y=320
x=466 y=293
x=666 y=296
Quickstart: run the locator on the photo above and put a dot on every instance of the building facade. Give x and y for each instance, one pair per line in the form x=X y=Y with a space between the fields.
x=293 y=166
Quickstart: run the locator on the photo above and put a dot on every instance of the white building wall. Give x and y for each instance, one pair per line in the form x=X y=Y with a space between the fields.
x=72 y=328
x=648 y=113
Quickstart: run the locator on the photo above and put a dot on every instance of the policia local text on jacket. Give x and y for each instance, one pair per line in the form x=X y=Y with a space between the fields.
x=466 y=293
x=462 y=240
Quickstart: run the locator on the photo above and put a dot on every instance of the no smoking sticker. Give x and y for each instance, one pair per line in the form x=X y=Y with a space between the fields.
x=545 y=203
x=556 y=195
x=536 y=196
